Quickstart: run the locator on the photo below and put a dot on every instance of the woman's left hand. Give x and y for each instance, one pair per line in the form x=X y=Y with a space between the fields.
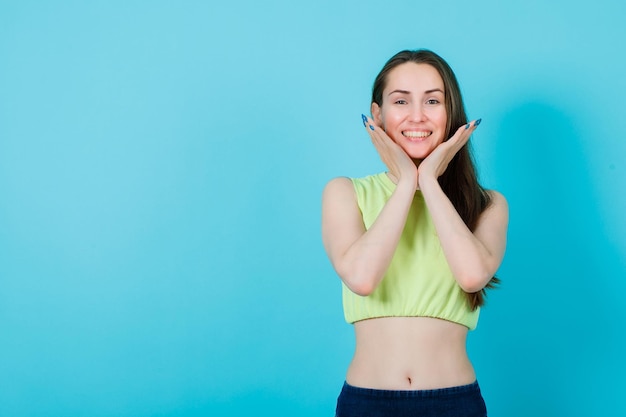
x=435 y=164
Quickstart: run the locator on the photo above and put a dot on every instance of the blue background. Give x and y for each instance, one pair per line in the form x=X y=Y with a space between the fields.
x=161 y=168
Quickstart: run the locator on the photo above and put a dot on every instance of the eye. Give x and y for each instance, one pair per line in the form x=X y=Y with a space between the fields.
x=400 y=101
x=432 y=101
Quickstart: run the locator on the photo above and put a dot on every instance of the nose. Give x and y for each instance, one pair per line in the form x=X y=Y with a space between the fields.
x=417 y=113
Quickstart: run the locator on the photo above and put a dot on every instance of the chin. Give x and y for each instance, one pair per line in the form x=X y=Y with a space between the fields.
x=418 y=155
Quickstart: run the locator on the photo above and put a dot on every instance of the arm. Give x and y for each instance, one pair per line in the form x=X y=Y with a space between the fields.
x=361 y=257
x=474 y=257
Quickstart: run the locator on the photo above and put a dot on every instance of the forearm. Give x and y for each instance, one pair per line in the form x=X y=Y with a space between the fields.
x=469 y=259
x=365 y=262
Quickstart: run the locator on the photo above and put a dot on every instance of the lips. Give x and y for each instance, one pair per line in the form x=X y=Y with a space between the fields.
x=412 y=134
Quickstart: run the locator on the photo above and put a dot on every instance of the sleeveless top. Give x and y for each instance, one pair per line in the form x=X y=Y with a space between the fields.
x=418 y=282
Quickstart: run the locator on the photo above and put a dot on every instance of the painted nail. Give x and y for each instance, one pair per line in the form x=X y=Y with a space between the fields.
x=467 y=126
x=478 y=122
x=371 y=127
x=364 y=120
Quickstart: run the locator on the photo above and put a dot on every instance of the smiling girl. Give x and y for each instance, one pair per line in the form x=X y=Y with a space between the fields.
x=415 y=247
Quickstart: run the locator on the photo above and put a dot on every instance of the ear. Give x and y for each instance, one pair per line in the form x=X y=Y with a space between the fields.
x=377 y=114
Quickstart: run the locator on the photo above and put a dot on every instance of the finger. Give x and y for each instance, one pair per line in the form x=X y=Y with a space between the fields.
x=369 y=127
x=464 y=132
x=378 y=136
x=471 y=126
x=367 y=122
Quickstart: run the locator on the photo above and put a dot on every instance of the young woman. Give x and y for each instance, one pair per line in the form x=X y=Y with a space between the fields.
x=415 y=248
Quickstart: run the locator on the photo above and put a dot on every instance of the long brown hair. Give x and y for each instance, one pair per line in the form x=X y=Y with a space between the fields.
x=459 y=182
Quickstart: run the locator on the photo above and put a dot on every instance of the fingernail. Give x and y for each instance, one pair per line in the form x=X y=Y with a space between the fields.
x=371 y=127
x=467 y=126
x=478 y=122
x=364 y=120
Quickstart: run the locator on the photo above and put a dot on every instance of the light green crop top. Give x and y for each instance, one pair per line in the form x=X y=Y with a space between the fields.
x=418 y=282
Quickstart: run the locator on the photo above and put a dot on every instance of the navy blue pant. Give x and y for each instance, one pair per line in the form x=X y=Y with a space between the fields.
x=462 y=401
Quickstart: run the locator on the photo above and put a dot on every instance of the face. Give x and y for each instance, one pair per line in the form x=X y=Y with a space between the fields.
x=413 y=111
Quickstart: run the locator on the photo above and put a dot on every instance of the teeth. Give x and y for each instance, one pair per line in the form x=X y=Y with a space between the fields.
x=416 y=134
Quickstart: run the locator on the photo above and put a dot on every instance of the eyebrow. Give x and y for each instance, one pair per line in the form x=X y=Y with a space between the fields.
x=408 y=92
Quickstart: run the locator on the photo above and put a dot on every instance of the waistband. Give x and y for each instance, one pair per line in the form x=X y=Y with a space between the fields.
x=429 y=393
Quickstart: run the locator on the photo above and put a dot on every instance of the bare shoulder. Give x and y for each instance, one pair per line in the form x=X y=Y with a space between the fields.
x=338 y=182
x=493 y=224
x=341 y=218
x=339 y=188
x=498 y=199
x=498 y=209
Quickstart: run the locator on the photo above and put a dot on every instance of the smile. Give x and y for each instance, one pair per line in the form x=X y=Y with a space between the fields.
x=414 y=134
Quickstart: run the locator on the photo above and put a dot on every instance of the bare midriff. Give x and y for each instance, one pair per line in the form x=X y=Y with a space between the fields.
x=410 y=353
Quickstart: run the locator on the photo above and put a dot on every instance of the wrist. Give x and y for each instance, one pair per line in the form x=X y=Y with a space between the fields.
x=427 y=182
x=406 y=186
x=403 y=180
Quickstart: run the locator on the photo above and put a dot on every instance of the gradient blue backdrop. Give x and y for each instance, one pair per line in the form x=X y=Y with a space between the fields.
x=161 y=166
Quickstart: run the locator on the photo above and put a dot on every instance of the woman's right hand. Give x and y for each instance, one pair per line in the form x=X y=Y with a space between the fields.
x=400 y=165
x=359 y=254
